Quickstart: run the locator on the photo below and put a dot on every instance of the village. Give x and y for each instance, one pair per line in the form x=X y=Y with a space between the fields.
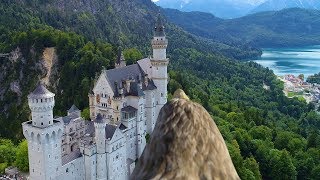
x=297 y=87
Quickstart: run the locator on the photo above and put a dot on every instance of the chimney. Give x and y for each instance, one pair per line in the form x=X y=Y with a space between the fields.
x=146 y=80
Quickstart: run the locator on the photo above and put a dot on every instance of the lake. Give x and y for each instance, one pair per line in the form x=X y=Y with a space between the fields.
x=295 y=61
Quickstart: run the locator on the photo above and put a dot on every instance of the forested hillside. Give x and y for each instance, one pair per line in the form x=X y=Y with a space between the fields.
x=314 y=78
x=289 y=27
x=269 y=136
x=79 y=32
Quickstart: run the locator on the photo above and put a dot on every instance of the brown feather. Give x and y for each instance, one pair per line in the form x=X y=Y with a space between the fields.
x=186 y=144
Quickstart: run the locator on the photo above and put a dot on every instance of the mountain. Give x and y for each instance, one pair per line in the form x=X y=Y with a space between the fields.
x=276 y=5
x=220 y=8
x=75 y=28
x=289 y=27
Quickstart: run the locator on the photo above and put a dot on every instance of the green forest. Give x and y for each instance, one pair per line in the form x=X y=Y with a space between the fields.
x=314 y=78
x=285 y=28
x=268 y=135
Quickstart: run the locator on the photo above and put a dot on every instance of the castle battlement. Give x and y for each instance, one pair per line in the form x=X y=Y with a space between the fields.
x=124 y=106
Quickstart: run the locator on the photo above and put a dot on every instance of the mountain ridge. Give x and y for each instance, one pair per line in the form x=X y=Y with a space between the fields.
x=288 y=27
x=223 y=9
x=276 y=5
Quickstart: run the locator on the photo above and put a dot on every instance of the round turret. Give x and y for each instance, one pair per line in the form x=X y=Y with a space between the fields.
x=41 y=102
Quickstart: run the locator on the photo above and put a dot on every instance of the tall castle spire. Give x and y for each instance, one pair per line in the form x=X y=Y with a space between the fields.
x=160 y=63
x=159 y=30
x=121 y=62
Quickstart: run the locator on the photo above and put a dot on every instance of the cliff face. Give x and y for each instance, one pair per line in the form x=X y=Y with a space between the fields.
x=18 y=73
x=49 y=62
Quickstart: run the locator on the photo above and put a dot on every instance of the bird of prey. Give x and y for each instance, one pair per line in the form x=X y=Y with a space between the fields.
x=185 y=144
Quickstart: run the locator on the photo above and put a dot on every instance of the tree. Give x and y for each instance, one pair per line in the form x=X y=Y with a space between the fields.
x=253 y=166
x=22 y=161
x=261 y=132
x=282 y=166
x=86 y=114
x=315 y=174
x=7 y=151
x=132 y=55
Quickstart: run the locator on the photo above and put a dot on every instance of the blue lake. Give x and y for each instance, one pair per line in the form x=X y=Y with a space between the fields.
x=295 y=61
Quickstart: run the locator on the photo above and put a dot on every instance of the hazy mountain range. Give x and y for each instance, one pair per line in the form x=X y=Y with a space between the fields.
x=236 y=8
x=275 y=5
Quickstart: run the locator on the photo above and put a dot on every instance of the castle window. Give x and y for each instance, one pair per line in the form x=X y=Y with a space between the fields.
x=117 y=107
x=41 y=100
x=49 y=122
x=41 y=124
x=161 y=94
x=37 y=100
x=67 y=170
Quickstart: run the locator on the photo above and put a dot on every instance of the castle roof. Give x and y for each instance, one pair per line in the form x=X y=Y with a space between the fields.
x=99 y=119
x=128 y=72
x=41 y=92
x=122 y=127
x=68 y=119
x=90 y=128
x=129 y=109
x=135 y=73
x=110 y=130
x=71 y=156
x=149 y=86
x=159 y=27
x=135 y=90
x=73 y=109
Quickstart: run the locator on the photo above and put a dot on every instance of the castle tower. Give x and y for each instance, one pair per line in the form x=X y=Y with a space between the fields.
x=100 y=136
x=160 y=63
x=43 y=134
x=121 y=62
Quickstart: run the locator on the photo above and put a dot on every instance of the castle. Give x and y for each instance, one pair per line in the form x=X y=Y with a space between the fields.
x=124 y=106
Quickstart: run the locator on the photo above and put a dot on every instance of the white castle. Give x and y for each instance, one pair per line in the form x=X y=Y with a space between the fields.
x=124 y=105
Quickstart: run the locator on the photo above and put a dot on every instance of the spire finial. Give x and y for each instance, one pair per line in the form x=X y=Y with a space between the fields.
x=159 y=28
